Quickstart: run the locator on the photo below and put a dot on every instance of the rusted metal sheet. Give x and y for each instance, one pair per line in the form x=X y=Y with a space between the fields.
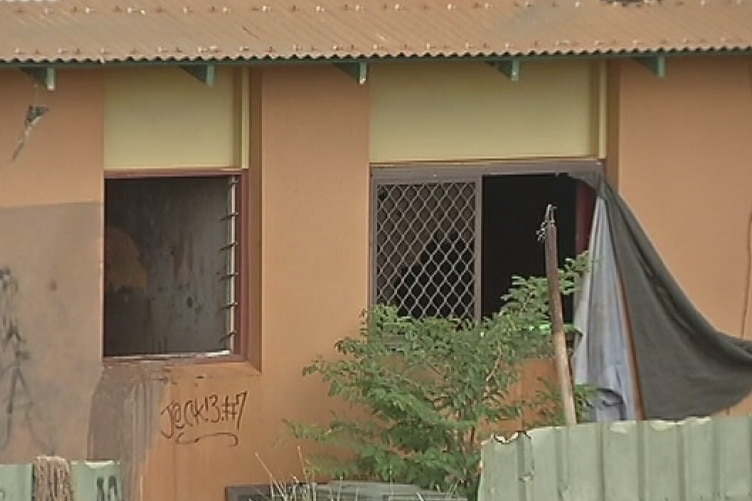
x=693 y=460
x=200 y=30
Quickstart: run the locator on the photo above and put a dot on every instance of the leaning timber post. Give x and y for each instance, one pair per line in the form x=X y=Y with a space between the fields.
x=557 y=319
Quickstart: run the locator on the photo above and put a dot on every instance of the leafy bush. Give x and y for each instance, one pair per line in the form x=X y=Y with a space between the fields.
x=546 y=404
x=429 y=386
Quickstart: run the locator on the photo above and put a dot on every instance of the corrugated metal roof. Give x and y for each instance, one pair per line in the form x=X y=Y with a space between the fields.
x=203 y=30
x=692 y=460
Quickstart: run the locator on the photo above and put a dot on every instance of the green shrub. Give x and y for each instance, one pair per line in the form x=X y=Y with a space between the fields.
x=546 y=404
x=428 y=386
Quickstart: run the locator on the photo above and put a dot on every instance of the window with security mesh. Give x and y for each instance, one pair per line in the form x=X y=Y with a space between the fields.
x=449 y=242
x=425 y=247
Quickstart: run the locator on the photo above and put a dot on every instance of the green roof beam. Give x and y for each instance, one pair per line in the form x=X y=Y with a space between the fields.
x=509 y=67
x=357 y=71
x=43 y=75
x=656 y=64
x=204 y=73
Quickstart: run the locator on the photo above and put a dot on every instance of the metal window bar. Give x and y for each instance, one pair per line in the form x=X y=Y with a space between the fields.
x=231 y=268
x=426 y=246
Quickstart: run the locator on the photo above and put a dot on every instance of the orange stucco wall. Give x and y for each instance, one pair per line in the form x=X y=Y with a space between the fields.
x=679 y=149
x=50 y=226
x=62 y=161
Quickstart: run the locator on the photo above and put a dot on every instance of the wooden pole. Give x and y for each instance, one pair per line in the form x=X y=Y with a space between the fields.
x=557 y=319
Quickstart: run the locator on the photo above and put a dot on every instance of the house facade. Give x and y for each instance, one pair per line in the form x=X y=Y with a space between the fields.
x=186 y=228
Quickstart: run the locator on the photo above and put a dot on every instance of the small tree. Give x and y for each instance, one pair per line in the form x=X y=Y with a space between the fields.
x=428 y=386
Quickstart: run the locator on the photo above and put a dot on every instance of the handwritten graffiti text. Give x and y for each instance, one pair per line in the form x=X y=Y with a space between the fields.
x=190 y=421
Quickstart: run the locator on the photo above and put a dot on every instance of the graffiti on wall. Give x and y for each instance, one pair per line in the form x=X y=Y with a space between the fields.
x=212 y=416
x=16 y=402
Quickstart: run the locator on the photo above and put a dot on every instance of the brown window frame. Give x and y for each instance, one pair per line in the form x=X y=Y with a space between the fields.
x=246 y=342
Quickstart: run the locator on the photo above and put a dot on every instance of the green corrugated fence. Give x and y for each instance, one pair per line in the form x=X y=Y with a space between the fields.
x=91 y=481
x=692 y=460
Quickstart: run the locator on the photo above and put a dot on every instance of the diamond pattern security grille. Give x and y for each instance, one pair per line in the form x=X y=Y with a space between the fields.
x=424 y=248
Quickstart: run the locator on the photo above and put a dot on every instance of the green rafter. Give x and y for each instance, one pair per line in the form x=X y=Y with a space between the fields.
x=509 y=67
x=43 y=75
x=358 y=71
x=656 y=64
x=204 y=73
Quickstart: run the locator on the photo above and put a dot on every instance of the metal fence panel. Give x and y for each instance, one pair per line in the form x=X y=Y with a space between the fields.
x=97 y=481
x=692 y=460
x=90 y=481
x=15 y=482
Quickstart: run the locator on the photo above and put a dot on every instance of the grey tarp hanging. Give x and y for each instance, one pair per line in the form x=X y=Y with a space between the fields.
x=602 y=353
x=685 y=366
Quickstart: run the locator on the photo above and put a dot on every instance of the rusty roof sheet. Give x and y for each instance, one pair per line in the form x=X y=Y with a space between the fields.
x=107 y=31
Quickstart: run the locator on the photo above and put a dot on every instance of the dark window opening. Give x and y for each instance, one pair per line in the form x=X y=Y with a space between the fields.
x=451 y=247
x=513 y=208
x=170 y=265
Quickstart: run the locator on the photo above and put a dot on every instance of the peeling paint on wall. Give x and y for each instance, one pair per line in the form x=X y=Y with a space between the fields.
x=34 y=115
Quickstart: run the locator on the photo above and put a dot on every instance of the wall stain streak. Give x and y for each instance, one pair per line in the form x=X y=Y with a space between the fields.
x=15 y=394
x=124 y=418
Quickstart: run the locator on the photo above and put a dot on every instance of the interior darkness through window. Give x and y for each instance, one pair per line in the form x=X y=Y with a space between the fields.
x=451 y=247
x=513 y=208
x=166 y=265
